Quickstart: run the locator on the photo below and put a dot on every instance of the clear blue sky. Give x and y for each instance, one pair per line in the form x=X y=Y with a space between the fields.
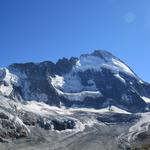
x=37 y=30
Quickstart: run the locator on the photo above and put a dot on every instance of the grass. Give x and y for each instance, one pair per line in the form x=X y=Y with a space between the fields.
x=144 y=147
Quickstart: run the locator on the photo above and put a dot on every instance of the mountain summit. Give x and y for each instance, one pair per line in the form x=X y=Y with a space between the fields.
x=95 y=80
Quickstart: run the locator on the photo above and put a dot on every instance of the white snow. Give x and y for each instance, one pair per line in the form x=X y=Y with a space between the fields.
x=95 y=63
x=122 y=67
x=6 y=90
x=120 y=78
x=88 y=62
x=81 y=95
x=145 y=118
x=87 y=122
x=141 y=81
x=118 y=110
x=57 y=81
x=67 y=83
x=103 y=110
x=110 y=67
x=141 y=126
x=41 y=108
x=9 y=79
x=17 y=79
x=146 y=99
x=70 y=87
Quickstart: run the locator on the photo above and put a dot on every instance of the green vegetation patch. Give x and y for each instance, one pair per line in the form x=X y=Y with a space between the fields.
x=144 y=147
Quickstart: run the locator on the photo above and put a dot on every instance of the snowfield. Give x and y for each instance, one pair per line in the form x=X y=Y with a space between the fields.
x=41 y=108
x=85 y=118
x=9 y=79
x=146 y=99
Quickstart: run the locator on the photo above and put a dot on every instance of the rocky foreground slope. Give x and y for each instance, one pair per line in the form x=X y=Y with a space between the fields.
x=94 y=102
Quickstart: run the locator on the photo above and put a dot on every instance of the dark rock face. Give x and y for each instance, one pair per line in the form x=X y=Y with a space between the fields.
x=36 y=84
x=28 y=118
x=64 y=65
x=10 y=129
x=117 y=118
x=115 y=91
x=37 y=80
x=3 y=116
x=56 y=124
x=63 y=125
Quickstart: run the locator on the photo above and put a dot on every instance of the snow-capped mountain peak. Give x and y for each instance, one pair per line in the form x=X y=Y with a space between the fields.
x=102 y=59
x=94 y=80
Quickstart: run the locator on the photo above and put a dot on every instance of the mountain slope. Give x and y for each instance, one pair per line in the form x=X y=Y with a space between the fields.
x=92 y=102
x=93 y=80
